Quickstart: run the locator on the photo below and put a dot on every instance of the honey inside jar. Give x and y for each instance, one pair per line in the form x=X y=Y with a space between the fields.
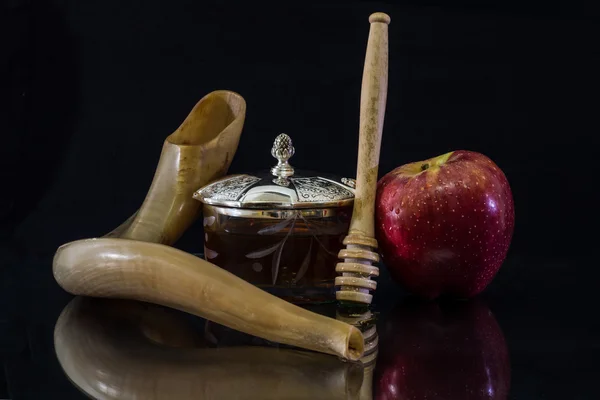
x=293 y=258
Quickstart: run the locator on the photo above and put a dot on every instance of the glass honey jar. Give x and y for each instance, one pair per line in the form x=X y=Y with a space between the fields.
x=280 y=230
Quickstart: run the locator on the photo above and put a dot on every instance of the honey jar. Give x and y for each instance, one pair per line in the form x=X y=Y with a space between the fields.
x=280 y=230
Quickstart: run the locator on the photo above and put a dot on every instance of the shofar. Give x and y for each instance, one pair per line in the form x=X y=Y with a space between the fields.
x=155 y=273
x=106 y=350
x=198 y=152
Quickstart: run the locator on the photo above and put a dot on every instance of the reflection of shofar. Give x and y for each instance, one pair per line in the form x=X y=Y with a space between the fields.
x=129 y=269
x=360 y=253
x=198 y=152
x=100 y=344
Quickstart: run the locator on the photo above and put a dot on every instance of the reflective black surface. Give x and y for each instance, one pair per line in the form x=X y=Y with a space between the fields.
x=93 y=88
x=533 y=334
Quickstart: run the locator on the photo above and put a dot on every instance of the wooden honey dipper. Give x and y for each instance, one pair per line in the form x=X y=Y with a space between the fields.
x=355 y=282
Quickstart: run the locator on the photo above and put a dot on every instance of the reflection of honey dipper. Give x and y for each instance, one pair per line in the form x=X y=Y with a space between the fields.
x=366 y=322
x=357 y=267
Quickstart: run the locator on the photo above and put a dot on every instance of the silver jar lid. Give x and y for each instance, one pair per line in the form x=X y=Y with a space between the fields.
x=282 y=188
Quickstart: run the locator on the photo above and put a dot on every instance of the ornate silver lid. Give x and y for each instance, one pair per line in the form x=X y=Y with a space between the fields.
x=282 y=188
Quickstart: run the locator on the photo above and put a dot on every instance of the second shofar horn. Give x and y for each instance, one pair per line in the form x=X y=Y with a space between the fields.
x=357 y=269
x=199 y=151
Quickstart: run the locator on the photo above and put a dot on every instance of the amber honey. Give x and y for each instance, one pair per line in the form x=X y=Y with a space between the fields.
x=293 y=258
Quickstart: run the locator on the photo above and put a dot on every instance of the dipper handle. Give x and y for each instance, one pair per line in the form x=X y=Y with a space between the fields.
x=361 y=245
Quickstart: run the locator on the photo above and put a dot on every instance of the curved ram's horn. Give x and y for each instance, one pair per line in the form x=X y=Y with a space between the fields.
x=198 y=152
x=155 y=273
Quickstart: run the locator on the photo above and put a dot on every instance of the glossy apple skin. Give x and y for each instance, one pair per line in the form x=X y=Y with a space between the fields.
x=445 y=230
x=442 y=351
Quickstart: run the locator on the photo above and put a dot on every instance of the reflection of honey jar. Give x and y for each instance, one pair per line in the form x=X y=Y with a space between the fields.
x=280 y=231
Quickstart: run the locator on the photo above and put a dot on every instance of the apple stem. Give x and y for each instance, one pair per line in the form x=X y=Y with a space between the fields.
x=424 y=167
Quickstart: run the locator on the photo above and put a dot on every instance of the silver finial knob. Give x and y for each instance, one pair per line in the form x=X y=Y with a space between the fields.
x=282 y=150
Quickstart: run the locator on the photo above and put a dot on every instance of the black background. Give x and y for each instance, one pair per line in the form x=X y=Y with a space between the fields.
x=93 y=88
x=90 y=89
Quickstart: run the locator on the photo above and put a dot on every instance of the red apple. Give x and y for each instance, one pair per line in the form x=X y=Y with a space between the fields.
x=442 y=351
x=444 y=225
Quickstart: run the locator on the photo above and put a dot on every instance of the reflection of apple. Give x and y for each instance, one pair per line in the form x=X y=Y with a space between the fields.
x=452 y=351
x=444 y=225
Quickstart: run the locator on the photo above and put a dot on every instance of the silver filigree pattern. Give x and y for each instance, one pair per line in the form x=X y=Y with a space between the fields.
x=319 y=189
x=349 y=182
x=229 y=189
